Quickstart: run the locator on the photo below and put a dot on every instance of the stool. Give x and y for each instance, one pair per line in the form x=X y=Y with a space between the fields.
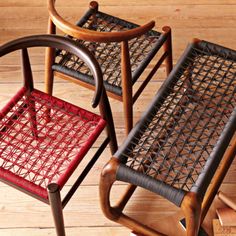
x=123 y=50
x=43 y=138
x=180 y=144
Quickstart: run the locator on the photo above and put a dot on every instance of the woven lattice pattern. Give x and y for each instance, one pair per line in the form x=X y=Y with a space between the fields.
x=108 y=54
x=40 y=148
x=180 y=133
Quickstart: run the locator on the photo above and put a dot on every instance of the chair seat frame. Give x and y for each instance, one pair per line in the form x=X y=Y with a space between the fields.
x=100 y=98
x=123 y=37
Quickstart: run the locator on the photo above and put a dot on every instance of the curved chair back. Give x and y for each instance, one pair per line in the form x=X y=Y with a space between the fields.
x=94 y=36
x=123 y=49
x=62 y=43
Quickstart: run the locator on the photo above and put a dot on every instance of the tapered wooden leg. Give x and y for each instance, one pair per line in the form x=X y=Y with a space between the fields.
x=128 y=113
x=56 y=207
x=28 y=83
x=219 y=177
x=48 y=70
x=191 y=207
x=168 y=48
x=127 y=87
x=49 y=60
x=105 y=111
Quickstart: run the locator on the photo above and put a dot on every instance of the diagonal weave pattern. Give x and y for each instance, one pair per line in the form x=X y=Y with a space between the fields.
x=36 y=149
x=108 y=54
x=179 y=134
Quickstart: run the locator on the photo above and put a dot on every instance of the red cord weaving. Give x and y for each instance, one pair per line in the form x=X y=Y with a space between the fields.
x=37 y=148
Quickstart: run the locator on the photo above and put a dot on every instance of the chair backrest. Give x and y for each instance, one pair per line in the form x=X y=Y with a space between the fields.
x=94 y=36
x=58 y=42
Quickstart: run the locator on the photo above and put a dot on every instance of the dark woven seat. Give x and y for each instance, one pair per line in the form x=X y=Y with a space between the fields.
x=142 y=50
x=178 y=144
x=174 y=142
x=123 y=49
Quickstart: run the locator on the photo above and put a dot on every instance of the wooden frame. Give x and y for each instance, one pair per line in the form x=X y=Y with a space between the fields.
x=128 y=99
x=53 y=189
x=194 y=207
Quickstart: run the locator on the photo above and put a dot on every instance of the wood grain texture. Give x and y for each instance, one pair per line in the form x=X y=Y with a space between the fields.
x=21 y=215
x=227 y=216
x=227 y=200
x=223 y=231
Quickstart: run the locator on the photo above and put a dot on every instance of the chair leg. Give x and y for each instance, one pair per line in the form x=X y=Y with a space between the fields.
x=106 y=113
x=217 y=180
x=106 y=181
x=56 y=207
x=191 y=207
x=127 y=86
x=168 y=48
x=49 y=59
x=128 y=112
x=108 y=177
x=48 y=70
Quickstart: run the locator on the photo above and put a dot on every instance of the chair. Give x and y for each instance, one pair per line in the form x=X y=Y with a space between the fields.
x=43 y=138
x=180 y=145
x=123 y=50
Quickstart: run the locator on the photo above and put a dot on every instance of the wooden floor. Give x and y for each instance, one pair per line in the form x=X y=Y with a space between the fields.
x=205 y=19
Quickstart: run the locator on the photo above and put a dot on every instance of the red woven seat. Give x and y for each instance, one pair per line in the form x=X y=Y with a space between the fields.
x=43 y=138
x=34 y=153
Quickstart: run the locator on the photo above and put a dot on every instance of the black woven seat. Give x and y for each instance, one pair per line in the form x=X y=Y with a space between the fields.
x=124 y=50
x=181 y=140
x=142 y=50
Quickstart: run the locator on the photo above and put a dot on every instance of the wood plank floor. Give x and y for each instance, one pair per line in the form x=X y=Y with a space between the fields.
x=21 y=215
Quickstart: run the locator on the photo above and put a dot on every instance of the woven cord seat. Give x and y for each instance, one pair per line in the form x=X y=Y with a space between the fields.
x=43 y=138
x=34 y=154
x=123 y=50
x=178 y=144
x=142 y=49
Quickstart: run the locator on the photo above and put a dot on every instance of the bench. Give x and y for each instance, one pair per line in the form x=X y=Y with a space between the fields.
x=181 y=143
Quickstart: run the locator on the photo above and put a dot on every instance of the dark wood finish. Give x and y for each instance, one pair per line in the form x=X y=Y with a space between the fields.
x=85 y=172
x=49 y=59
x=105 y=110
x=108 y=177
x=63 y=43
x=26 y=70
x=127 y=195
x=28 y=83
x=56 y=207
